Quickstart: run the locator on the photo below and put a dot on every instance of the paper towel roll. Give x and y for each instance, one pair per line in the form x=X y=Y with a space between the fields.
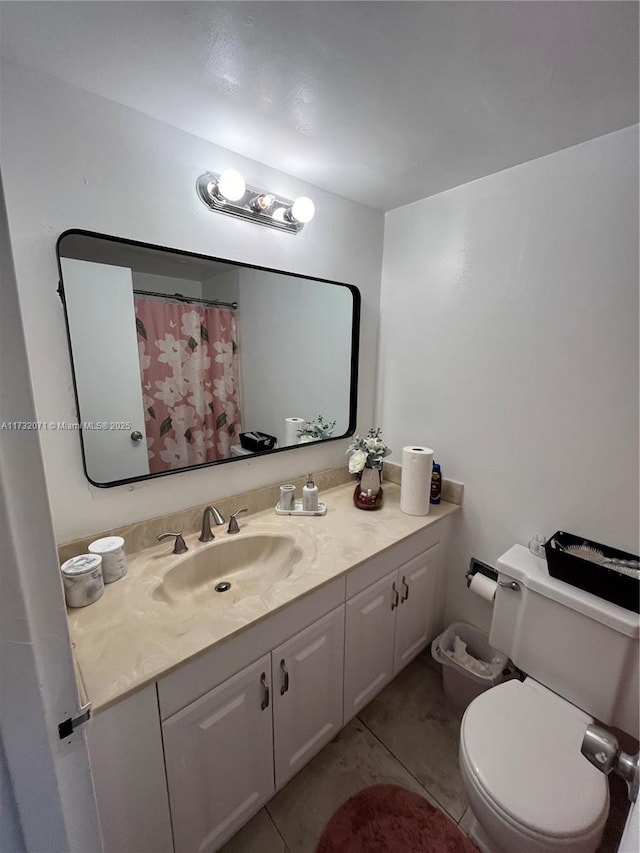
x=291 y=427
x=483 y=586
x=415 y=488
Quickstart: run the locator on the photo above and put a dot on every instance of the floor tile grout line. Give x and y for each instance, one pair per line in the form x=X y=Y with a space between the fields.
x=273 y=821
x=413 y=776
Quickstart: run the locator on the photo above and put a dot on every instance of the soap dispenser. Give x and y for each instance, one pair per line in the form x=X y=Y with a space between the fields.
x=310 y=495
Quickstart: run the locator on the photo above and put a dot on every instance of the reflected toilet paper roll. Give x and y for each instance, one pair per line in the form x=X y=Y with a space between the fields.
x=415 y=486
x=483 y=586
x=291 y=427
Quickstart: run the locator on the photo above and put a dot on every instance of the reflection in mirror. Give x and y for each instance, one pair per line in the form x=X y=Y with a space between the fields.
x=181 y=360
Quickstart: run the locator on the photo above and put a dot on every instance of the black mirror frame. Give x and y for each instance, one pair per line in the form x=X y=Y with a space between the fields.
x=355 y=345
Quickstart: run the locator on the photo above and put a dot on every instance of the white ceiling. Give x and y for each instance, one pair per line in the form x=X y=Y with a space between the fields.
x=381 y=102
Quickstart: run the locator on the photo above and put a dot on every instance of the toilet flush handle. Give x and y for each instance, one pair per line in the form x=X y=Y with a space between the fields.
x=510 y=585
x=602 y=749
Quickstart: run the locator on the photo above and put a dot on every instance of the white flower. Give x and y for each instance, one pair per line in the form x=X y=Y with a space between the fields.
x=173 y=352
x=357 y=461
x=169 y=391
x=183 y=418
x=200 y=398
x=225 y=354
x=230 y=411
x=223 y=444
x=145 y=360
x=201 y=442
x=176 y=454
x=224 y=387
x=195 y=365
x=191 y=324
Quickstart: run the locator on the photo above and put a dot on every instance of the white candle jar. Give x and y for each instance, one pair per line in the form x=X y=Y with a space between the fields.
x=114 y=559
x=82 y=579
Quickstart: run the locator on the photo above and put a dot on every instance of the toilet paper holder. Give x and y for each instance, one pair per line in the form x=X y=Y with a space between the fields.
x=478 y=567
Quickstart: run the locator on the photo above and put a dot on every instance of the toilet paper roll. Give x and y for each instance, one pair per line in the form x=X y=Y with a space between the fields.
x=291 y=427
x=483 y=586
x=415 y=488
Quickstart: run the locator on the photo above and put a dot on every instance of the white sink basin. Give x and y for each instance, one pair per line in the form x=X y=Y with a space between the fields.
x=250 y=564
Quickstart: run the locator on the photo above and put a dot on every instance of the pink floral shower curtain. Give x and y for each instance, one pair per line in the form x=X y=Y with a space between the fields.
x=189 y=371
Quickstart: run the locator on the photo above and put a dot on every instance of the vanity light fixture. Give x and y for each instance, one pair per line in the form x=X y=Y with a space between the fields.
x=227 y=193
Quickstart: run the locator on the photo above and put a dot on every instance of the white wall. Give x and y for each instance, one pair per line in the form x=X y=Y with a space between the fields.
x=109 y=169
x=223 y=286
x=509 y=344
x=304 y=357
x=166 y=284
x=45 y=780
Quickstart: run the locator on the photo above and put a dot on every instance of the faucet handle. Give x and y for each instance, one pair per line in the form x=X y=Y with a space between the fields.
x=233 y=524
x=179 y=546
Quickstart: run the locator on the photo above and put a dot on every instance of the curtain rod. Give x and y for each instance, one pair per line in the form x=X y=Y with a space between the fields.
x=182 y=298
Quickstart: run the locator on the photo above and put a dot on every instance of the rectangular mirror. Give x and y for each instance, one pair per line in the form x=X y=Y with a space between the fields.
x=182 y=361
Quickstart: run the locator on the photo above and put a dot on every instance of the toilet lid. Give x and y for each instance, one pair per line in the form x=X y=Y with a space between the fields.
x=523 y=744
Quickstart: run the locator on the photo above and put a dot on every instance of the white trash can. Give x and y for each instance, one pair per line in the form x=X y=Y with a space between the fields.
x=467 y=673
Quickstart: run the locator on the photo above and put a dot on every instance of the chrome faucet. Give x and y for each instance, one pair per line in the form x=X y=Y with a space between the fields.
x=233 y=524
x=206 y=534
x=179 y=546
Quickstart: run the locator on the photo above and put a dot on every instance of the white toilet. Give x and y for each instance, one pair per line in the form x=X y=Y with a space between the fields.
x=529 y=788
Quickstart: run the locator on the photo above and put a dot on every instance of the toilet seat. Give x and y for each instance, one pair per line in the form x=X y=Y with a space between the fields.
x=520 y=750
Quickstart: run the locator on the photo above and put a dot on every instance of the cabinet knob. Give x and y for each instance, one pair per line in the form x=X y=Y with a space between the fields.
x=265 y=700
x=136 y=435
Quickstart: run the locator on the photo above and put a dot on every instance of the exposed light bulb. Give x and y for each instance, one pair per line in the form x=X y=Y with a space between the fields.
x=262 y=202
x=231 y=185
x=279 y=214
x=302 y=209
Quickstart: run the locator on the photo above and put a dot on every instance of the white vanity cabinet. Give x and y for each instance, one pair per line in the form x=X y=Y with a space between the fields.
x=125 y=751
x=415 y=613
x=219 y=759
x=307 y=703
x=181 y=765
x=369 y=634
x=228 y=751
x=387 y=625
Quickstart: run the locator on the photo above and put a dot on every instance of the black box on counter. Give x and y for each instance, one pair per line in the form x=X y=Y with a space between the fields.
x=599 y=569
x=257 y=441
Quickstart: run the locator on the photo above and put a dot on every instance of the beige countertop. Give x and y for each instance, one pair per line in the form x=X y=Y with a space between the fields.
x=133 y=635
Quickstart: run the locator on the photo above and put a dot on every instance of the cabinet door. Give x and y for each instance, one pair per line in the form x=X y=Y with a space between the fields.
x=307 y=681
x=125 y=748
x=417 y=581
x=369 y=632
x=219 y=759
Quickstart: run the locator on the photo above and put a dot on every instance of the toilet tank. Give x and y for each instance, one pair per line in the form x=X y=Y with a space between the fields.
x=580 y=646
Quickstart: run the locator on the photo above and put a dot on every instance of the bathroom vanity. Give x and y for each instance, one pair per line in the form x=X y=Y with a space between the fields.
x=205 y=703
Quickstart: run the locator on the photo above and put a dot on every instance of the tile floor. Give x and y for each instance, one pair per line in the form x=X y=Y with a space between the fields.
x=407 y=736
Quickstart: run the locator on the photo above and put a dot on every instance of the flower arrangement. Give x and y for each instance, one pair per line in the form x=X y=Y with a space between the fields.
x=317 y=430
x=367 y=452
